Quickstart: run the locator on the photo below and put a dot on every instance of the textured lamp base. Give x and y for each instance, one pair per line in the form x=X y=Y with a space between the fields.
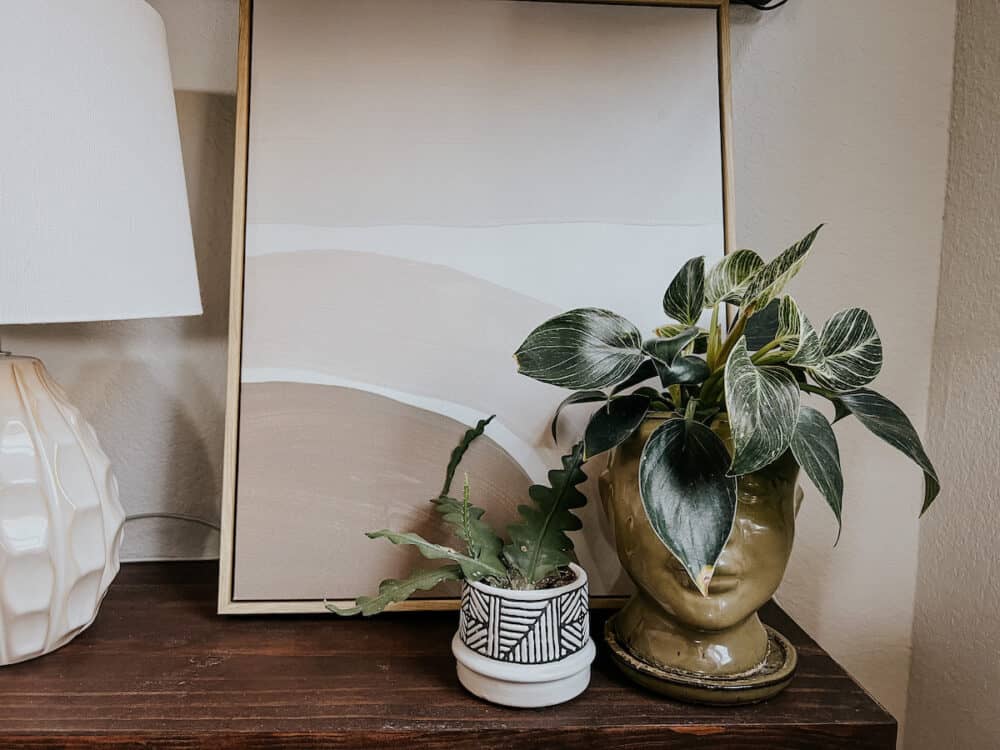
x=60 y=519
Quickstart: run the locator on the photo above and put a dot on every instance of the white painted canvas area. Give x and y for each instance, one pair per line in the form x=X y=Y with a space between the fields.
x=428 y=180
x=564 y=264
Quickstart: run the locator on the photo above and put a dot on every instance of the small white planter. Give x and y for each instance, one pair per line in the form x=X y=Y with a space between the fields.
x=525 y=648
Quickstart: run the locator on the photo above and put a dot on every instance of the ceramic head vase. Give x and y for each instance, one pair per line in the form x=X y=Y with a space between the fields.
x=668 y=623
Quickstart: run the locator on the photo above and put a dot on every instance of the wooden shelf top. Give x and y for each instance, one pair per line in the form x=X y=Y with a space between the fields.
x=159 y=667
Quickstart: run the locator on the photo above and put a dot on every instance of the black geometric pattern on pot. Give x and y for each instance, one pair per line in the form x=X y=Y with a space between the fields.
x=524 y=632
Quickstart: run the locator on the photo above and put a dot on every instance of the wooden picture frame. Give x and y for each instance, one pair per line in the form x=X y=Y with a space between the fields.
x=227 y=602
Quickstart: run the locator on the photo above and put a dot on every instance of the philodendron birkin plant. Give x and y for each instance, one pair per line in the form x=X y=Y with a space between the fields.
x=536 y=556
x=755 y=377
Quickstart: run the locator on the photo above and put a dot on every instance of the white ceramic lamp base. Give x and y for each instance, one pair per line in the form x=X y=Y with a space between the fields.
x=60 y=519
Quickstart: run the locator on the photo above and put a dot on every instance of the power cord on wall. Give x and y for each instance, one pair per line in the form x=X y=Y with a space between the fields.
x=176 y=517
x=761 y=4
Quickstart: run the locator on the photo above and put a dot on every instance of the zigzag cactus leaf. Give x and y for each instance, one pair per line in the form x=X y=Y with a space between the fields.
x=538 y=544
x=392 y=590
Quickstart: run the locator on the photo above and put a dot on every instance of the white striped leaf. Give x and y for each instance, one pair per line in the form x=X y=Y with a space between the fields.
x=666 y=350
x=888 y=421
x=580 y=397
x=796 y=334
x=768 y=282
x=645 y=371
x=728 y=279
x=763 y=406
x=851 y=351
x=582 y=349
x=669 y=330
x=612 y=423
x=685 y=370
x=814 y=447
x=762 y=326
x=689 y=500
x=789 y=324
x=672 y=368
x=810 y=351
x=685 y=297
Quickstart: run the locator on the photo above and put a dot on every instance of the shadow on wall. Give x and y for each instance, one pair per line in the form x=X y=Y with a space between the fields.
x=155 y=390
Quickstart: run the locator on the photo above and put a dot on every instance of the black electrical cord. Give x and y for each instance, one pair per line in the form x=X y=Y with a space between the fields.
x=761 y=4
x=174 y=516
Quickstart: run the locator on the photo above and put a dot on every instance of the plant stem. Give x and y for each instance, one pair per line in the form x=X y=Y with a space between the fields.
x=691 y=408
x=714 y=339
x=817 y=390
x=759 y=354
x=710 y=388
x=735 y=334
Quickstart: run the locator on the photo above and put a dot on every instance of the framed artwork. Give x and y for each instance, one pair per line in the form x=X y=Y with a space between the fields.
x=419 y=183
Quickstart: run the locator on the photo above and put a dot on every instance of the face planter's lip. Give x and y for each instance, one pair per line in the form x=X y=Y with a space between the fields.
x=722 y=584
x=724 y=580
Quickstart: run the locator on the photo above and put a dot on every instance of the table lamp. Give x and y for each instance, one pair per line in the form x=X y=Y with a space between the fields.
x=94 y=225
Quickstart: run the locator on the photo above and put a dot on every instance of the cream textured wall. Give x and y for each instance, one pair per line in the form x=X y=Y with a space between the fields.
x=841 y=114
x=956 y=657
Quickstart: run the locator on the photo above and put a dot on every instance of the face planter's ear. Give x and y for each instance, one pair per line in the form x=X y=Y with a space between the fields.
x=799 y=494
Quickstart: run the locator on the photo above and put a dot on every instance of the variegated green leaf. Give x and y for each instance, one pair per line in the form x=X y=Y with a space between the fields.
x=768 y=282
x=392 y=590
x=796 y=334
x=666 y=350
x=762 y=326
x=763 y=406
x=685 y=297
x=669 y=330
x=646 y=371
x=686 y=370
x=582 y=349
x=888 y=421
x=689 y=500
x=851 y=351
x=612 y=423
x=580 y=397
x=672 y=368
x=789 y=324
x=810 y=351
x=472 y=569
x=728 y=279
x=814 y=447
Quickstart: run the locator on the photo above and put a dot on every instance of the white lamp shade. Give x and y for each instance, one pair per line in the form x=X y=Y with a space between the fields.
x=94 y=221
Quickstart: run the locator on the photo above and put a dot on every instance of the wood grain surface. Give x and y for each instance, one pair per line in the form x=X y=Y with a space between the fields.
x=160 y=668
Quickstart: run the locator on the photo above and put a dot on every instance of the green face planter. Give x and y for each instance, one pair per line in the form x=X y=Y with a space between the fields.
x=708 y=427
x=671 y=637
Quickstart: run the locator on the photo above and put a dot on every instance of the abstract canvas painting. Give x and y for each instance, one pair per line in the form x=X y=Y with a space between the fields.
x=426 y=180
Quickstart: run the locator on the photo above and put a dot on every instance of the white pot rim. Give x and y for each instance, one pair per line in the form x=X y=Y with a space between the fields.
x=524 y=673
x=534 y=595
